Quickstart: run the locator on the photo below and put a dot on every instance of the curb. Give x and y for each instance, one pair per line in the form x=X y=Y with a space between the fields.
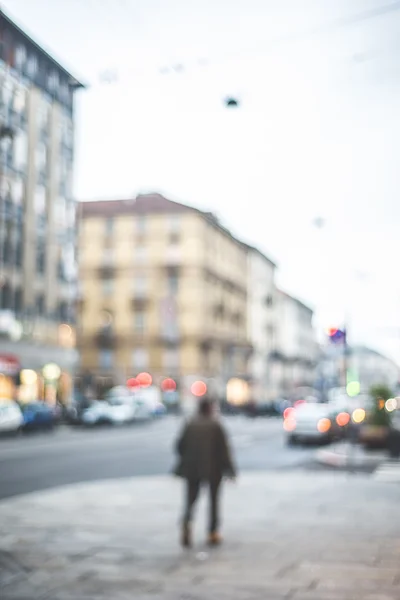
x=347 y=458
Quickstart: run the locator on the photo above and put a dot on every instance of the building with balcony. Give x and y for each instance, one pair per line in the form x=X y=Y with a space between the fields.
x=38 y=271
x=163 y=290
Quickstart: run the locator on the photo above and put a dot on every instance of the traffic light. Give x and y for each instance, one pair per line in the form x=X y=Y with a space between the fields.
x=337 y=336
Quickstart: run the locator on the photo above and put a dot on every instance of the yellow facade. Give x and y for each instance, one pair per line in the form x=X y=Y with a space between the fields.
x=163 y=292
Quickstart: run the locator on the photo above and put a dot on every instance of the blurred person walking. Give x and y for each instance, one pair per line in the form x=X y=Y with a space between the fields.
x=204 y=459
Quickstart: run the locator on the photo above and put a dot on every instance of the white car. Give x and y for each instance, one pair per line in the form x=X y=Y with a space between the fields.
x=312 y=422
x=11 y=418
x=96 y=414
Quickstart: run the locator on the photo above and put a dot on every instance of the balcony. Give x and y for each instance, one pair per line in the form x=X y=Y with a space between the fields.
x=106 y=271
x=105 y=338
x=173 y=256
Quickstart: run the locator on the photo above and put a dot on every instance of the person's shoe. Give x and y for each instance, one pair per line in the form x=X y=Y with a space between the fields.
x=214 y=539
x=186 y=537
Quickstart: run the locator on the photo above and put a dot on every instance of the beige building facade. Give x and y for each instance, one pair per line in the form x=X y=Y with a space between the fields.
x=163 y=290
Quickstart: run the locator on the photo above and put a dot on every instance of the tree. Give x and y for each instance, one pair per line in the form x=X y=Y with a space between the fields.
x=379 y=415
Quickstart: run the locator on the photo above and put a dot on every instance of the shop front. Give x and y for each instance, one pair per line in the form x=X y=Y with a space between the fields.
x=30 y=372
x=9 y=370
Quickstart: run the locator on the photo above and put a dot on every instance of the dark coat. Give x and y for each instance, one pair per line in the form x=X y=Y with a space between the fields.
x=203 y=450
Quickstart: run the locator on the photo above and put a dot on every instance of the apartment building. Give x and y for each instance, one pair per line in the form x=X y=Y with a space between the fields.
x=163 y=291
x=261 y=318
x=38 y=271
x=294 y=358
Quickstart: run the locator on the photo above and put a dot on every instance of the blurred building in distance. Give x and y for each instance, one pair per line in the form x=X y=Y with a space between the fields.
x=262 y=325
x=38 y=272
x=164 y=291
x=294 y=359
x=370 y=368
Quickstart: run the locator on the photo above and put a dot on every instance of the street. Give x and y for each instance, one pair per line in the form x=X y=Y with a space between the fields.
x=43 y=461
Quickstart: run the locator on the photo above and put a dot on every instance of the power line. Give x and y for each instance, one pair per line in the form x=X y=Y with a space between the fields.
x=111 y=76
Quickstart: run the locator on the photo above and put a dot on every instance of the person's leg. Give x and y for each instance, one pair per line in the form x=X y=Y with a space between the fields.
x=214 y=522
x=192 y=492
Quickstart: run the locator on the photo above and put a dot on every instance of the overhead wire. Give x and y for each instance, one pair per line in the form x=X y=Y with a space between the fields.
x=112 y=74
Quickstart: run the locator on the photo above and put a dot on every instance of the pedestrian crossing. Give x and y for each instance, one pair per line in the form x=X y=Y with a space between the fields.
x=388 y=472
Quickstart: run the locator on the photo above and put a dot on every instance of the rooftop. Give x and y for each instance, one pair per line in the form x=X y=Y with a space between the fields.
x=6 y=19
x=145 y=204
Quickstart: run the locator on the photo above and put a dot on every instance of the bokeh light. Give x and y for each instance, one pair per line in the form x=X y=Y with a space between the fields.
x=324 y=425
x=358 y=415
x=289 y=424
x=28 y=377
x=168 y=385
x=145 y=380
x=133 y=383
x=198 y=388
x=288 y=412
x=343 y=419
x=391 y=404
x=353 y=388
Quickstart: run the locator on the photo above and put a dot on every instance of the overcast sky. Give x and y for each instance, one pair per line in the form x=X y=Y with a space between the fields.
x=317 y=133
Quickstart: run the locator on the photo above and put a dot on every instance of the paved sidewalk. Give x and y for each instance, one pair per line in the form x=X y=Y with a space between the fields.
x=303 y=536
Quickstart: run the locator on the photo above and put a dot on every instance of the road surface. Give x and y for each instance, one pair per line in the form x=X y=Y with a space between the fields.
x=42 y=461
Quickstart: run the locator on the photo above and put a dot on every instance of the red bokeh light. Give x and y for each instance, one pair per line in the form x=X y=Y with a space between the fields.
x=299 y=402
x=343 y=419
x=133 y=383
x=288 y=412
x=168 y=385
x=145 y=380
x=199 y=388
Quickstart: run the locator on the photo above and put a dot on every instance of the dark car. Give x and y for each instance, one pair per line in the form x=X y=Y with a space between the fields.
x=38 y=416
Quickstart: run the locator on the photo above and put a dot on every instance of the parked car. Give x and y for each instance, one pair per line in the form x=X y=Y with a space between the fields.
x=98 y=413
x=38 y=415
x=310 y=422
x=11 y=418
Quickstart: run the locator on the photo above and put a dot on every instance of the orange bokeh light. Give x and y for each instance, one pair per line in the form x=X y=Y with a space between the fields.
x=324 y=425
x=198 y=388
x=168 y=385
x=145 y=380
x=343 y=419
x=289 y=424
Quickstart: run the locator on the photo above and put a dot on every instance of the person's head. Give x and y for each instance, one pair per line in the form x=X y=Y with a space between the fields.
x=205 y=407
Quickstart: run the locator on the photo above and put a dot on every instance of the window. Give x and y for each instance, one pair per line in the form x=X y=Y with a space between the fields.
x=107 y=287
x=20 y=57
x=173 y=284
x=108 y=257
x=140 y=253
x=105 y=359
x=269 y=300
x=18 y=301
x=40 y=258
x=40 y=305
x=141 y=224
x=171 y=360
x=62 y=312
x=174 y=239
x=174 y=224
x=140 y=359
x=109 y=226
x=32 y=66
x=140 y=286
x=139 y=322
